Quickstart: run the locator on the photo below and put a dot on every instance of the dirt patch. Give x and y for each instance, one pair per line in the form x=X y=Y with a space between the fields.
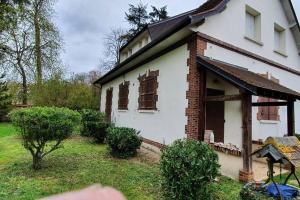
x=148 y=154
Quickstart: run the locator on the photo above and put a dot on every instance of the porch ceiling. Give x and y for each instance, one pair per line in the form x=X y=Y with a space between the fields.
x=247 y=80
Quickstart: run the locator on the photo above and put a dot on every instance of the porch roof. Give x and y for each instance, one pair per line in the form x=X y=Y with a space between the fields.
x=247 y=80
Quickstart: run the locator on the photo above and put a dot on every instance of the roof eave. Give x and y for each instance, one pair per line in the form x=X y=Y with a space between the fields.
x=254 y=90
x=226 y=76
x=154 y=42
x=218 y=9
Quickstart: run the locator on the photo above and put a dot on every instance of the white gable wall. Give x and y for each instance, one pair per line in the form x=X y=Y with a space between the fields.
x=168 y=123
x=229 y=26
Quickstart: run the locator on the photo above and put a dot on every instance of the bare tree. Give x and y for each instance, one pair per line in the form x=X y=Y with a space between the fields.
x=17 y=48
x=112 y=43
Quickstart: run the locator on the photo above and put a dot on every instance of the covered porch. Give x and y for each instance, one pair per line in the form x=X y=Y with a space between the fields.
x=226 y=106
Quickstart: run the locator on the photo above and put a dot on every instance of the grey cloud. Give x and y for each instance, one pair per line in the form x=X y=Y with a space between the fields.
x=84 y=24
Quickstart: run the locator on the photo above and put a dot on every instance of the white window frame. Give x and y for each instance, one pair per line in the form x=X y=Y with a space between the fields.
x=280 y=43
x=253 y=33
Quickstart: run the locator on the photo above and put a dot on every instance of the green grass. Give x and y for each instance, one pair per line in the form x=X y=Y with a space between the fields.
x=292 y=181
x=6 y=129
x=78 y=165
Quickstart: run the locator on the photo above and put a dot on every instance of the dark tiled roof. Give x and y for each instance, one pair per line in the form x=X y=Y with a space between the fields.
x=159 y=28
x=208 y=5
x=253 y=81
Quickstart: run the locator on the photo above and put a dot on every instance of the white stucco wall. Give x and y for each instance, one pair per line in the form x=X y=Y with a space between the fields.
x=168 y=123
x=229 y=26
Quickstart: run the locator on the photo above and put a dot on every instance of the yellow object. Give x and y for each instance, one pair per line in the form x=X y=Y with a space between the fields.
x=284 y=144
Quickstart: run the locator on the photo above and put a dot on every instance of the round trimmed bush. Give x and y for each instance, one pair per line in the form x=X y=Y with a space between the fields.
x=188 y=167
x=123 y=142
x=43 y=129
x=94 y=125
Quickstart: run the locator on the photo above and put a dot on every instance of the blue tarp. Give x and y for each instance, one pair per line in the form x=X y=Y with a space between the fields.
x=287 y=192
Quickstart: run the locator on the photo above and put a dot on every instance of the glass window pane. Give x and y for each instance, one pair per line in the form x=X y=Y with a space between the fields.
x=250 y=25
x=277 y=39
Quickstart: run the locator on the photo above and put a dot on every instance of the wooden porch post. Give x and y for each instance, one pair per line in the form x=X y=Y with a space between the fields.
x=291 y=118
x=202 y=105
x=246 y=173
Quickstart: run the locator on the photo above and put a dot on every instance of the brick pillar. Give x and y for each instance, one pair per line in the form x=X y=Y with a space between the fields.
x=196 y=79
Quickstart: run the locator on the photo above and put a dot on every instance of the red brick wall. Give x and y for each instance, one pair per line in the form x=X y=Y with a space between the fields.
x=196 y=46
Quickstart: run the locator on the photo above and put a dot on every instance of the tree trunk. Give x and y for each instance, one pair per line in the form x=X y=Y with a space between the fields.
x=37 y=161
x=24 y=84
x=38 y=51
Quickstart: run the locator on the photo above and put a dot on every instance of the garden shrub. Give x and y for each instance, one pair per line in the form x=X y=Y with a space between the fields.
x=43 y=129
x=123 y=142
x=188 y=167
x=94 y=125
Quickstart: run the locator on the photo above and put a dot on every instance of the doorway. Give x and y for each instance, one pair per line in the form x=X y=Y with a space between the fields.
x=215 y=117
x=108 y=106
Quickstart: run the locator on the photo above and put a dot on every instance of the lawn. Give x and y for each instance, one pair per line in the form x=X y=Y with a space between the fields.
x=77 y=165
x=6 y=129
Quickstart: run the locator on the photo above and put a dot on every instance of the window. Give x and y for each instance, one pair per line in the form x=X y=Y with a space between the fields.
x=279 y=39
x=141 y=44
x=253 y=25
x=123 y=96
x=250 y=25
x=268 y=112
x=129 y=52
x=148 y=91
x=124 y=55
x=145 y=41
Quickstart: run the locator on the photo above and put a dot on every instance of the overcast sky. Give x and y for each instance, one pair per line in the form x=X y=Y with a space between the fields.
x=84 y=23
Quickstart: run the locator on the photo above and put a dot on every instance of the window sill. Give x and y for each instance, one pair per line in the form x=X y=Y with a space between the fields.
x=269 y=122
x=280 y=52
x=122 y=110
x=254 y=40
x=148 y=111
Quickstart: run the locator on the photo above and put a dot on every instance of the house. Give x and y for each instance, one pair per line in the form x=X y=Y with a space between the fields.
x=227 y=67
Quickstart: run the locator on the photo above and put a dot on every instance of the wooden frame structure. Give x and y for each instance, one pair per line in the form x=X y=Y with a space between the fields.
x=247 y=90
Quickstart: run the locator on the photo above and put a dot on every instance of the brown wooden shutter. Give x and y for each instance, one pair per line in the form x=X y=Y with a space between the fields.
x=123 y=96
x=148 y=91
x=274 y=110
x=268 y=112
x=108 y=106
x=263 y=111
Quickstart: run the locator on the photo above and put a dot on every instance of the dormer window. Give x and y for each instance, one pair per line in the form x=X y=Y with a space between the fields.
x=253 y=25
x=129 y=52
x=145 y=41
x=279 y=39
x=124 y=55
